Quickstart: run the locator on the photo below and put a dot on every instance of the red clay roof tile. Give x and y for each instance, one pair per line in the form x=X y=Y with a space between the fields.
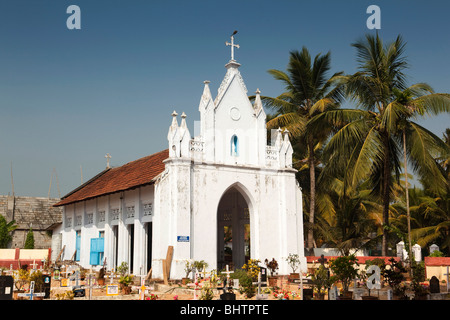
x=131 y=175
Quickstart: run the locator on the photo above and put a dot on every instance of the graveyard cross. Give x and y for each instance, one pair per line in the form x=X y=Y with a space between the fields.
x=259 y=283
x=111 y=278
x=203 y=273
x=34 y=264
x=143 y=287
x=108 y=157
x=195 y=285
x=232 y=45
x=322 y=260
x=142 y=292
x=32 y=294
x=91 y=285
x=77 y=278
x=228 y=275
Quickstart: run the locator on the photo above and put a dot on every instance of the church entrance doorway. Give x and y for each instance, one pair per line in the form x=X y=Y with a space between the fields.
x=233 y=230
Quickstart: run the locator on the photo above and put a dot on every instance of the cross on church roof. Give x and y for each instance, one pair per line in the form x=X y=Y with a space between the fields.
x=232 y=45
x=108 y=157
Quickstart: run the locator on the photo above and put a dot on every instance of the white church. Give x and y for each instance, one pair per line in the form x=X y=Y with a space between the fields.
x=224 y=196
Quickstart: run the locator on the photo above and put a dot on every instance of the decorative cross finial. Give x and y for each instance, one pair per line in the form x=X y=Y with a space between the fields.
x=232 y=45
x=107 y=156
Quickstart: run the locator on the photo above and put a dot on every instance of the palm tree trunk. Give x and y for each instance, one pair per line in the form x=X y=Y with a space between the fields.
x=386 y=197
x=408 y=215
x=312 y=202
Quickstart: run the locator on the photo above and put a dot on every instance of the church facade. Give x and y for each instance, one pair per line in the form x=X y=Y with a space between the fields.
x=223 y=196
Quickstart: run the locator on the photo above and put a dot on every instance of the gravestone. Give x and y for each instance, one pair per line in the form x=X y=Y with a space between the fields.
x=333 y=293
x=79 y=292
x=308 y=294
x=390 y=294
x=358 y=293
x=6 y=287
x=236 y=284
x=434 y=285
x=434 y=248
x=401 y=252
x=47 y=285
x=263 y=274
x=417 y=252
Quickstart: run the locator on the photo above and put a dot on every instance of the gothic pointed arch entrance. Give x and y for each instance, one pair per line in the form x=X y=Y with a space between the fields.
x=233 y=229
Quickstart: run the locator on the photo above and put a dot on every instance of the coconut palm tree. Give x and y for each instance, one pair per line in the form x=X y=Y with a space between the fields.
x=308 y=91
x=370 y=134
x=412 y=103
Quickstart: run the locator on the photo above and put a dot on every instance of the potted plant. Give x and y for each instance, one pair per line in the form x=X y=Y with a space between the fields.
x=344 y=269
x=294 y=262
x=272 y=266
x=200 y=265
x=125 y=279
x=321 y=282
x=188 y=268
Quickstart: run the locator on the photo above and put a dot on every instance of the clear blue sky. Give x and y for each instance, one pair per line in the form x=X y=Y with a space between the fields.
x=68 y=97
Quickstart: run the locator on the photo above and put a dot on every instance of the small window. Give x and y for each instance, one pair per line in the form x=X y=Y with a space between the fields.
x=234 y=146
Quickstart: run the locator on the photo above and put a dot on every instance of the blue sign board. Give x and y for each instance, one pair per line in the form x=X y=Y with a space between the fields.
x=182 y=238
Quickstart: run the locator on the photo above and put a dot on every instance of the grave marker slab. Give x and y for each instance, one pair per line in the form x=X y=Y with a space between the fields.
x=390 y=294
x=6 y=287
x=47 y=285
x=333 y=293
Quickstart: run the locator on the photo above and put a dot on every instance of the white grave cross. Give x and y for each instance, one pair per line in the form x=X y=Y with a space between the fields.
x=228 y=272
x=32 y=294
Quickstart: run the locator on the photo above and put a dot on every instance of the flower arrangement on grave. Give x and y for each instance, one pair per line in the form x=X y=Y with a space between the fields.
x=152 y=297
x=284 y=294
x=207 y=292
x=252 y=268
x=272 y=265
x=344 y=269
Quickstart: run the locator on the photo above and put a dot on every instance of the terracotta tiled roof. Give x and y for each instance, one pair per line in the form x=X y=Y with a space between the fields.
x=437 y=261
x=361 y=259
x=131 y=175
